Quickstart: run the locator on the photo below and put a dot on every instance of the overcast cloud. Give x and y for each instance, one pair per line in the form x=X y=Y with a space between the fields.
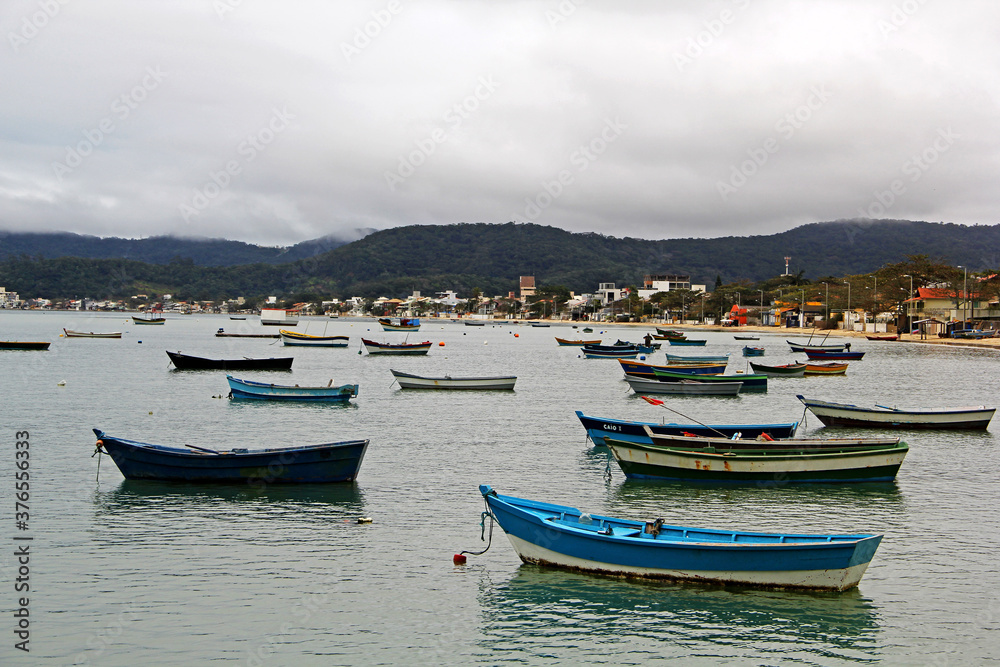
x=279 y=122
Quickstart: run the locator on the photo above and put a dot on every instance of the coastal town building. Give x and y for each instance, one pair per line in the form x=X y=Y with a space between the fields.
x=9 y=299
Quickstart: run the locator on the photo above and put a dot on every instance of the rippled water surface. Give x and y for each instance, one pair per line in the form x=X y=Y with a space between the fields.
x=129 y=573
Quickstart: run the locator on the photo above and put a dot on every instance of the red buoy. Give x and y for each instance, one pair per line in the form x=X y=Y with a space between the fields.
x=459 y=559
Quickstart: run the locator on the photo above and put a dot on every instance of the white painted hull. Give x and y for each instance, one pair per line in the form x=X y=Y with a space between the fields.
x=840 y=579
x=643 y=386
x=850 y=415
x=407 y=381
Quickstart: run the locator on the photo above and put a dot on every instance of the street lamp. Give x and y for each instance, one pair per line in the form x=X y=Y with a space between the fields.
x=827 y=301
x=802 y=311
x=965 y=293
x=909 y=305
x=848 y=313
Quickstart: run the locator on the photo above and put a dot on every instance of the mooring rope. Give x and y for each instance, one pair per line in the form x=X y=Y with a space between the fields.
x=482 y=534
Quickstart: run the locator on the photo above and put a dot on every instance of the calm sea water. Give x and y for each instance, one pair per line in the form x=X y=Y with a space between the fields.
x=129 y=573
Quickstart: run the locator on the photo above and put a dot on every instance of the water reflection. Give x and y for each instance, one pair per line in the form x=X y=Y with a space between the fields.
x=138 y=494
x=539 y=610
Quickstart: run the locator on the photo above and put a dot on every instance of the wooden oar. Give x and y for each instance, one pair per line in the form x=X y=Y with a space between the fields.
x=203 y=449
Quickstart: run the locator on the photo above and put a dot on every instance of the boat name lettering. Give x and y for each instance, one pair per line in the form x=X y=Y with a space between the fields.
x=611 y=427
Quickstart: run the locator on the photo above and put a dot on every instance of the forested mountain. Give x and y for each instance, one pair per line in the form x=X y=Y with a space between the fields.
x=490 y=257
x=163 y=249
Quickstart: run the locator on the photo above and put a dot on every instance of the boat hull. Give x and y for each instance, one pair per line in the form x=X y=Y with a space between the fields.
x=843 y=414
x=688 y=386
x=826 y=369
x=609 y=352
x=802 y=347
x=834 y=356
x=90 y=334
x=750 y=381
x=706 y=359
x=399 y=325
x=577 y=343
x=249 y=389
x=294 y=338
x=649 y=370
x=554 y=535
x=688 y=341
x=757 y=466
x=409 y=381
x=332 y=462
x=185 y=362
x=374 y=347
x=140 y=320
x=24 y=345
x=786 y=371
x=632 y=431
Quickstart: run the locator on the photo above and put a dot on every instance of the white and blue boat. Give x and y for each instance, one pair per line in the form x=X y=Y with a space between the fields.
x=283 y=392
x=565 y=537
x=703 y=359
x=632 y=431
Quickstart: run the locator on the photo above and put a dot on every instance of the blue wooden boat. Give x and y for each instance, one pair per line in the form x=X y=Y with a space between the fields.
x=687 y=341
x=331 y=462
x=281 y=392
x=399 y=323
x=751 y=381
x=639 y=369
x=565 y=537
x=749 y=351
x=833 y=354
x=610 y=351
x=632 y=431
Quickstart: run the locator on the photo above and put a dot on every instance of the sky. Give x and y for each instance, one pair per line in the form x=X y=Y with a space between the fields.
x=274 y=123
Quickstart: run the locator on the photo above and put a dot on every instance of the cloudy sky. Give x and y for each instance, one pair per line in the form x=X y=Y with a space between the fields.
x=277 y=122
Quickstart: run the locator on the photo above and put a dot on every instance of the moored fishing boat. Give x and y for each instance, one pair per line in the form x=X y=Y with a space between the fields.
x=610 y=351
x=831 y=368
x=641 y=369
x=780 y=371
x=188 y=362
x=410 y=381
x=566 y=537
x=632 y=431
x=24 y=345
x=221 y=333
x=834 y=355
x=399 y=323
x=692 y=385
x=735 y=337
x=802 y=347
x=749 y=351
x=688 y=341
x=883 y=337
x=703 y=359
x=751 y=381
x=330 y=462
x=151 y=318
x=374 y=347
x=577 y=343
x=846 y=414
x=738 y=460
x=90 y=334
x=308 y=340
x=279 y=392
